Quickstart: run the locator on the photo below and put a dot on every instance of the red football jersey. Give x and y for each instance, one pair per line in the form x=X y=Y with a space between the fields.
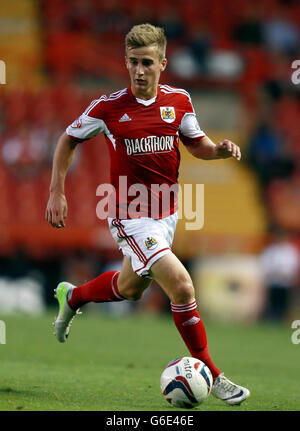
x=143 y=139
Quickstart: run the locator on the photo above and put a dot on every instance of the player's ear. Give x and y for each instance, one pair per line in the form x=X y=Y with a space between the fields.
x=126 y=61
x=163 y=64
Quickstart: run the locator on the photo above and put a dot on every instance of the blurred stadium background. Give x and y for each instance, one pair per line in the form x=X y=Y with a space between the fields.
x=235 y=59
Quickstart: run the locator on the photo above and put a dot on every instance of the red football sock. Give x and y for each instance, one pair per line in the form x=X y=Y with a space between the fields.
x=101 y=289
x=192 y=331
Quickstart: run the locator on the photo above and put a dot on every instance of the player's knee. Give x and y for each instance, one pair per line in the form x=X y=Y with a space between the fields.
x=183 y=293
x=132 y=293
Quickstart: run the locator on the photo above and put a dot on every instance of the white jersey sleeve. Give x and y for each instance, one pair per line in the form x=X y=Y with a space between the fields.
x=189 y=126
x=86 y=127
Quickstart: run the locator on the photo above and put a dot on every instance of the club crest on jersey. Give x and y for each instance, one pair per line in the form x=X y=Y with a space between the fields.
x=167 y=113
x=150 y=243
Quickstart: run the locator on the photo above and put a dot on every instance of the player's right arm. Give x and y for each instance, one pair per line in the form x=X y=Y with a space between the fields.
x=88 y=125
x=57 y=208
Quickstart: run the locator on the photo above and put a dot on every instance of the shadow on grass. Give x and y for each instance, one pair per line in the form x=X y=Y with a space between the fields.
x=36 y=393
x=15 y=391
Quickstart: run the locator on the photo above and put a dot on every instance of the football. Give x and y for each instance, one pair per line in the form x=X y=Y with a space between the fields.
x=186 y=382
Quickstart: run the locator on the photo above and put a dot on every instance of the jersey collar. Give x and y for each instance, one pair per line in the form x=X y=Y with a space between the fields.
x=144 y=102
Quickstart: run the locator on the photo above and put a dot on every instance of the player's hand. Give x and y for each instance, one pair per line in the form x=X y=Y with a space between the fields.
x=57 y=210
x=226 y=149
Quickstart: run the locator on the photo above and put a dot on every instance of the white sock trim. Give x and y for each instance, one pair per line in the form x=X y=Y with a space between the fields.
x=181 y=308
x=113 y=287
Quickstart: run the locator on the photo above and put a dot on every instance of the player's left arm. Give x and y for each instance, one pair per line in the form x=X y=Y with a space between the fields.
x=200 y=145
x=205 y=148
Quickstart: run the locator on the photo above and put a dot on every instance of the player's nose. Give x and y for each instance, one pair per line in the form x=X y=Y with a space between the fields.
x=140 y=70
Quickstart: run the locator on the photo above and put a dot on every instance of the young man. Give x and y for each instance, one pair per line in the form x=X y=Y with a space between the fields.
x=142 y=125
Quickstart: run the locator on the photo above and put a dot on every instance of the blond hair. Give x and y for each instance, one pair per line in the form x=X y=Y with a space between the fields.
x=146 y=35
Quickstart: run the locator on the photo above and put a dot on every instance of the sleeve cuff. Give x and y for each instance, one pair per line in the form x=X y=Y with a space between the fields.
x=190 y=141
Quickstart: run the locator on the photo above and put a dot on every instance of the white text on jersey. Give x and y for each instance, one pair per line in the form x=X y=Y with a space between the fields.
x=149 y=145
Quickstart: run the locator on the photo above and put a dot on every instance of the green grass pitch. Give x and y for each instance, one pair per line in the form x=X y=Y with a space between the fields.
x=114 y=364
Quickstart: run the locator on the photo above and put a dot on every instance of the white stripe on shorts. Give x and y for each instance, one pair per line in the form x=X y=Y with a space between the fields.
x=130 y=240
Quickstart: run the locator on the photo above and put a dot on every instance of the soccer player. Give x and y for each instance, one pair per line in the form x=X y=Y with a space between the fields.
x=142 y=125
